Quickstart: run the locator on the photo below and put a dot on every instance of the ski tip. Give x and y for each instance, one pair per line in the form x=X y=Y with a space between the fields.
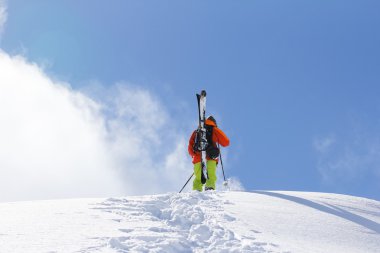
x=203 y=93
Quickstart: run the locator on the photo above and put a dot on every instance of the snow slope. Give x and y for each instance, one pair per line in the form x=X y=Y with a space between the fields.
x=259 y=221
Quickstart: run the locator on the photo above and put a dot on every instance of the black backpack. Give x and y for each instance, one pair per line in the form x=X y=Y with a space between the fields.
x=211 y=148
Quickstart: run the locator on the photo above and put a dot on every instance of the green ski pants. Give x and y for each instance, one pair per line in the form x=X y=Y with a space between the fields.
x=211 y=170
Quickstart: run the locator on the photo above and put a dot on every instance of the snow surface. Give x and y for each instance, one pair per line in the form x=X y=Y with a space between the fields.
x=259 y=221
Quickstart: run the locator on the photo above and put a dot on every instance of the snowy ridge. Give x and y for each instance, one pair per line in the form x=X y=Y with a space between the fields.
x=260 y=221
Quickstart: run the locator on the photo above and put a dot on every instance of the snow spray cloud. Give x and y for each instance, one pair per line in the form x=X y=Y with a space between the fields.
x=56 y=142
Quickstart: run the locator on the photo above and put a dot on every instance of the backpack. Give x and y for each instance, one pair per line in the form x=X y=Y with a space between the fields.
x=211 y=148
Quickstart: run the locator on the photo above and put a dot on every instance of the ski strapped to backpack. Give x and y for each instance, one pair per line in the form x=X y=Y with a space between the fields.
x=201 y=137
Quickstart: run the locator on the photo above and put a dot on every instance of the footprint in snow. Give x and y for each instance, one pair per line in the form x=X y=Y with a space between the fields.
x=189 y=222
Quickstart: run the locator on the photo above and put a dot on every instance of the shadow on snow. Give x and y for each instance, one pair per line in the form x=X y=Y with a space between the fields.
x=330 y=209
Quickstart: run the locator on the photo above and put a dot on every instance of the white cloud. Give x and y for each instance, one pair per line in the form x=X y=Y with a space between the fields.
x=58 y=142
x=342 y=163
x=324 y=144
x=3 y=16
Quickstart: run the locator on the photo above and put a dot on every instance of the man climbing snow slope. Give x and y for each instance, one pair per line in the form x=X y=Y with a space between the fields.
x=215 y=136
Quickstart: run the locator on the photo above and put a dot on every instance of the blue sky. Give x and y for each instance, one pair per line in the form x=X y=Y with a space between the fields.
x=295 y=84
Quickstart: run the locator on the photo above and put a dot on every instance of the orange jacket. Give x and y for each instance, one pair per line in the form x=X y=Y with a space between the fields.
x=218 y=136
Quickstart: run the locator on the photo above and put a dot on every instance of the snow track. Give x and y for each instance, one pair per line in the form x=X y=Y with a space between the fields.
x=190 y=222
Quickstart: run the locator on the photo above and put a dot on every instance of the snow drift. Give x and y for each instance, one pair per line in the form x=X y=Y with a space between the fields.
x=260 y=221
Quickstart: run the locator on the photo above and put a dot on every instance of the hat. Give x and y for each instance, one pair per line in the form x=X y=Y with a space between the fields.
x=211 y=118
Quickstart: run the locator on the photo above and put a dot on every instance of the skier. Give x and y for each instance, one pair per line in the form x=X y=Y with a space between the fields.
x=214 y=136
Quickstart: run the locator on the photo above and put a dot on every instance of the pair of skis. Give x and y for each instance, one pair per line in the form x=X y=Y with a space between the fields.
x=202 y=139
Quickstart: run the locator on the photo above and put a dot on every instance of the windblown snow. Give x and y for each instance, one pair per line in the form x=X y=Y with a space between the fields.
x=259 y=221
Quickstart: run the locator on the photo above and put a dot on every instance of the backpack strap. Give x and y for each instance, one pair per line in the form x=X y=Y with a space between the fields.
x=209 y=133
